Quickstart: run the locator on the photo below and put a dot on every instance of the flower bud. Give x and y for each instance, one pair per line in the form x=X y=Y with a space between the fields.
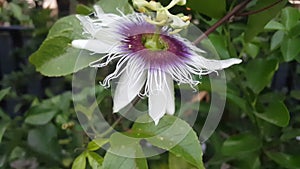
x=178 y=22
x=140 y=5
x=176 y=2
x=162 y=15
x=181 y=2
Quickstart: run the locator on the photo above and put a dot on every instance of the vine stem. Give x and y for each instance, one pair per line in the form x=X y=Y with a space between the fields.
x=234 y=11
x=260 y=10
x=111 y=128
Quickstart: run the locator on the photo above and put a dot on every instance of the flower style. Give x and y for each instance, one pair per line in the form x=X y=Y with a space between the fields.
x=146 y=57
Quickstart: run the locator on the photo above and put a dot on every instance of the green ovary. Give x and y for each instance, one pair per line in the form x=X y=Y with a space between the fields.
x=154 y=42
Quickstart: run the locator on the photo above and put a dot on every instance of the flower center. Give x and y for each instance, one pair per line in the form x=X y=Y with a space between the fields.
x=154 y=42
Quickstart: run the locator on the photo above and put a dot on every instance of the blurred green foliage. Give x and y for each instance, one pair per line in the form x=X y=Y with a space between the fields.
x=15 y=13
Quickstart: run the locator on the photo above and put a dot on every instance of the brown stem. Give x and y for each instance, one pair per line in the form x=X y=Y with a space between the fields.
x=234 y=11
x=259 y=10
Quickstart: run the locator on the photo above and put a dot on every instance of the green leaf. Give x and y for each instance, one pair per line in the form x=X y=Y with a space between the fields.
x=274 y=25
x=97 y=143
x=219 y=42
x=240 y=144
x=276 y=113
x=250 y=162
x=190 y=150
x=3 y=127
x=44 y=140
x=42 y=113
x=125 y=145
x=110 y=6
x=276 y=39
x=51 y=48
x=259 y=73
x=175 y=135
x=295 y=94
x=211 y=8
x=17 y=153
x=290 y=133
x=80 y=161
x=297 y=58
x=68 y=27
x=176 y=162
x=83 y=9
x=4 y=116
x=38 y=116
x=294 y=32
x=3 y=158
x=95 y=160
x=258 y=21
x=71 y=61
x=16 y=10
x=285 y=160
x=290 y=17
x=4 y=92
x=251 y=49
x=56 y=57
x=125 y=152
x=290 y=48
x=238 y=101
x=113 y=161
x=268 y=97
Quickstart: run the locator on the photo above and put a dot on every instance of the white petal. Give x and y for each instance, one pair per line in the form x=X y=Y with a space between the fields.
x=159 y=96
x=129 y=86
x=98 y=10
x=227 y=63
x=108 y=35
x=169 y=88
x=211 y=64
x=87 y=24
x=96 y=46
x=101 y=28
x=157 y=105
